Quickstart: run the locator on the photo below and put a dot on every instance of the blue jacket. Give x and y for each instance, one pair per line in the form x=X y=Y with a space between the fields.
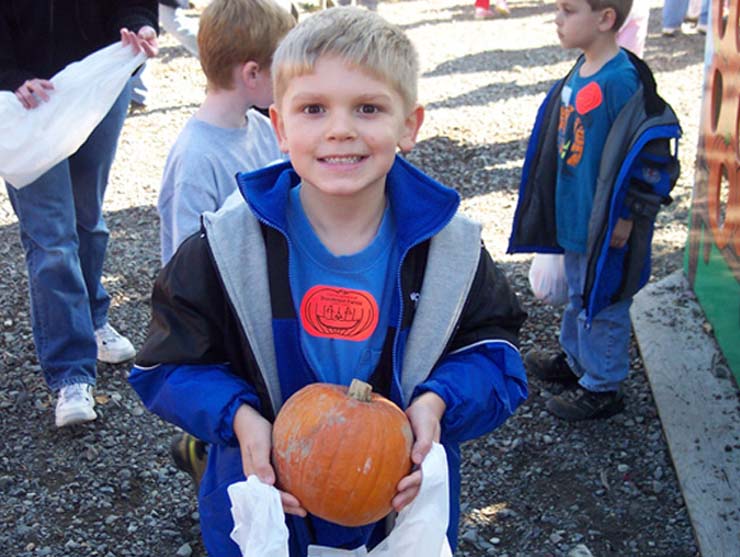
x=639 y=167
x=224 y=332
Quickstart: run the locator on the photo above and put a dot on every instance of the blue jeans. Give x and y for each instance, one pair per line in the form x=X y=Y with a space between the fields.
x=673 y=13
x=598 y=354
x=704 y=12
x=64 y=237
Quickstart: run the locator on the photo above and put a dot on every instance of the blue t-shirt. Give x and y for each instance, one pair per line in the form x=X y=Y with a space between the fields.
x=343 y=302
x=588 y=108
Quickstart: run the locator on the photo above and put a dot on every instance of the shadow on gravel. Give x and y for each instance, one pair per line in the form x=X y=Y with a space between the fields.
x=138 y=113
x=500 y=60
x=105 y=488
x=472 y=170
x=495 y=91
x=169 y=53
x=667 y=54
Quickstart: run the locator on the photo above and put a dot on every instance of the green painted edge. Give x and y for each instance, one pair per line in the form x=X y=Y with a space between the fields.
x=718 y=293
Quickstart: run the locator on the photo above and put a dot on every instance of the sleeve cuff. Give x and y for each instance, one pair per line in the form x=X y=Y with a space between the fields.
x=226 y=434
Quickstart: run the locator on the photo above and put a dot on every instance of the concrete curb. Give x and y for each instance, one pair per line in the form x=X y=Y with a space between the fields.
x=699 y=407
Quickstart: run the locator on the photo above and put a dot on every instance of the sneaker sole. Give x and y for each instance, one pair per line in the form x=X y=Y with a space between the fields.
x=116 y=358
x=75 y=417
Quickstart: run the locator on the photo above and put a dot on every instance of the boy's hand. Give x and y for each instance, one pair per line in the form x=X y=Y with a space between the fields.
x=145 y=40
x=254 y=434
x=33 y=92
x=621 y=233
x=425 y=414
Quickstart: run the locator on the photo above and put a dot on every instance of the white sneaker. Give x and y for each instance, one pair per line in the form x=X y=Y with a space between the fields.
x=502 y=8
x=113 y=347
x=75 y=405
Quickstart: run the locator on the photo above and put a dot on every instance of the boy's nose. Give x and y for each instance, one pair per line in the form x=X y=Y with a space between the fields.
x=340 y=126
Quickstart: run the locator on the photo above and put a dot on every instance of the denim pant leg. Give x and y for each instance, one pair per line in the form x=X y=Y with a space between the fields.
x=574 y=271
x=60 y=312
x=598 y=353
x=704 y=12
x=604 y=347
x=89 y=168
x=61 y=316
x=673 y=13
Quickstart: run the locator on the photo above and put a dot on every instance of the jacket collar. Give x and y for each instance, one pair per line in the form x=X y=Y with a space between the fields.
x=654 y=103
x=421 y=206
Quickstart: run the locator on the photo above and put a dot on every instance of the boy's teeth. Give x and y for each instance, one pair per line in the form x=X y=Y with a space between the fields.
x=342 y=160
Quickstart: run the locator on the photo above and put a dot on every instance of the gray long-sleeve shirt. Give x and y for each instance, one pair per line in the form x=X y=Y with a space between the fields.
x=200 y=169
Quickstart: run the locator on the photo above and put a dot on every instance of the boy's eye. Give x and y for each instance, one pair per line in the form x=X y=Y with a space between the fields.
x=369 y=109
x=313 y=109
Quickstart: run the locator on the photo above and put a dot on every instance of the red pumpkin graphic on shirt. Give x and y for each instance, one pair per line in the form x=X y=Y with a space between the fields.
x=339 y=313
x=588 y=98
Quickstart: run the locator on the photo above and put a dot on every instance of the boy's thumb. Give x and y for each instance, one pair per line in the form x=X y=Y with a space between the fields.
x=265 y=473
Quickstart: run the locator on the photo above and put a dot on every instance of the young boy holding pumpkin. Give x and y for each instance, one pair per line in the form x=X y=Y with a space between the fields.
x=247 y=312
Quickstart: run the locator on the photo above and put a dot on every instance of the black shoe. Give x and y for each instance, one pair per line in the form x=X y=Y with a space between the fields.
x=580 y=404
x=550 y=368
x=189 y=454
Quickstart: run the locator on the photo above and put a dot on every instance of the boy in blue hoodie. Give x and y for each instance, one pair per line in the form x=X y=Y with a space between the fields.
x=245 y=313
x=598 y=167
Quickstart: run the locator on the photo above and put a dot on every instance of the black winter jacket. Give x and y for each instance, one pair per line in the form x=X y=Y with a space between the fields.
x=40 y=37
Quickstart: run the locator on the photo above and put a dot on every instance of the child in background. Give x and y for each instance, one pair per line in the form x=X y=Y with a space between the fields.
x=483 y=9
x=598 y=167
x=633 y=32
x=233 y=332
x=236 y=40
x=673 y=15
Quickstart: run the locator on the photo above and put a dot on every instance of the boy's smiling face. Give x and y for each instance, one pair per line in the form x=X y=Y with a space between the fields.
x=342 y=127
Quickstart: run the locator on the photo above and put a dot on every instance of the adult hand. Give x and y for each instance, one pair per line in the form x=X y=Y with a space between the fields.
x=254 y=434
x=33 y=92
x=145 y=40
x=621 y=233
x=425 y=414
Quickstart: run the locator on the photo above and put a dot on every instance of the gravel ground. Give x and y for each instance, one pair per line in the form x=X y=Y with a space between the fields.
x=535 y=487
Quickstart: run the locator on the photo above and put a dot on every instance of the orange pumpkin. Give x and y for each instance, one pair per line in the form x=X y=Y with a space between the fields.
x=341 y=451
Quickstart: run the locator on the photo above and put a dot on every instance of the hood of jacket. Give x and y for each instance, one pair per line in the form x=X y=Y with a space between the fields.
x=421 y=206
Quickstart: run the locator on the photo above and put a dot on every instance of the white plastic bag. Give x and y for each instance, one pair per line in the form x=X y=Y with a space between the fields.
x=259 y=521
x=32 y=141
x=547 y=278
x=420 y=528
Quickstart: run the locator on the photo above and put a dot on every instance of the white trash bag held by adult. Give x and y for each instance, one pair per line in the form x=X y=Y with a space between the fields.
x=34 y=140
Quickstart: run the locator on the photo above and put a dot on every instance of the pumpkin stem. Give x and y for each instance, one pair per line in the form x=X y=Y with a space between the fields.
x=360 y=390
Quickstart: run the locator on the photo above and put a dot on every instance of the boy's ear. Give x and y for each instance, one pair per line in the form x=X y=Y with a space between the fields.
x=248 y=73
x=411 y=128
x=608 y=19
x=279 y=127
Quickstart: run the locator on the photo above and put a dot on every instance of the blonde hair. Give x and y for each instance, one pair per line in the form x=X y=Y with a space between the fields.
x=359 y=37
x=621 y=8
x=233 y=32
